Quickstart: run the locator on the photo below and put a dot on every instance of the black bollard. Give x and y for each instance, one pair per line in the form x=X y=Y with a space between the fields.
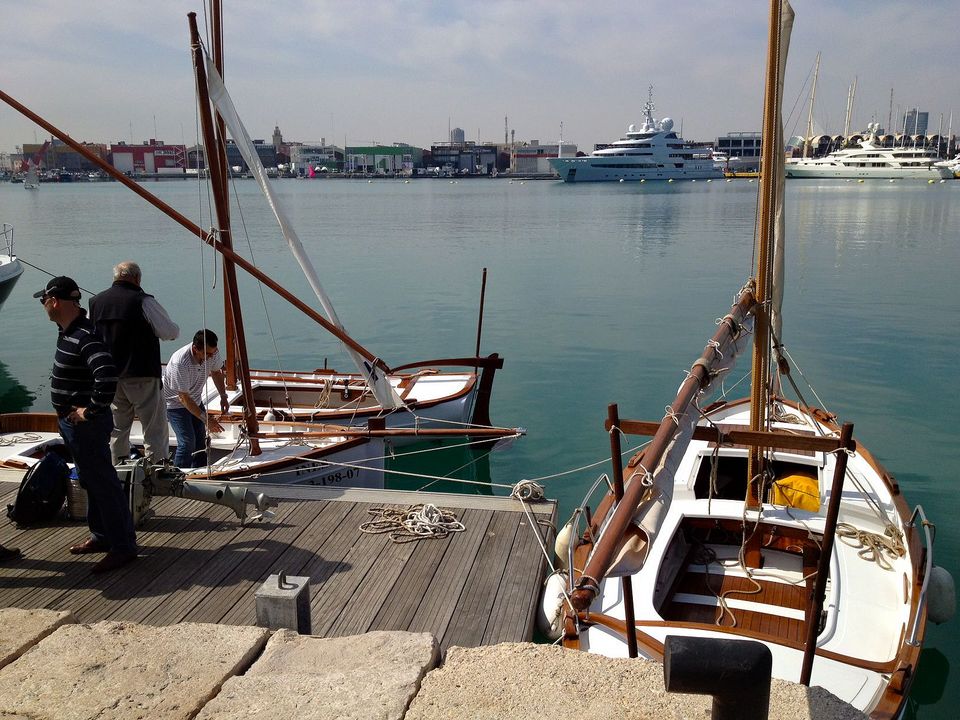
x=735 y=672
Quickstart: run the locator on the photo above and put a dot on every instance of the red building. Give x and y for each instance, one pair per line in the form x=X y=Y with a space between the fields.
x=151 y=158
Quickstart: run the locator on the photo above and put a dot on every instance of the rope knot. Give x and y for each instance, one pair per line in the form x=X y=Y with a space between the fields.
x=527 y=490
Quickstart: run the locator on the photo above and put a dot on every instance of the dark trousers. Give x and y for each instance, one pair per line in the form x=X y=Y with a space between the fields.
x=191 y=438
x=108 y=511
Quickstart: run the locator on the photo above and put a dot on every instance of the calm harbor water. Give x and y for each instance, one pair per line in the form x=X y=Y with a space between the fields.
x=596 y=294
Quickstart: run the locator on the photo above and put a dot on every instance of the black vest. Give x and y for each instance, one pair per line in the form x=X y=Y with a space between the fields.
x=118 y=315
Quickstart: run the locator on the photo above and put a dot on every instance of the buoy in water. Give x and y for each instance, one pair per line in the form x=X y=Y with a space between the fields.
x=550 y=613
x=861 y=180
x=930 y=182
x=621 y=179
x=670 y=180
x=709 y=180
x=941 y=596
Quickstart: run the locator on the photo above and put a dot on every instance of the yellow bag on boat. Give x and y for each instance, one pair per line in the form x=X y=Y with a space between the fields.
x=799 y=491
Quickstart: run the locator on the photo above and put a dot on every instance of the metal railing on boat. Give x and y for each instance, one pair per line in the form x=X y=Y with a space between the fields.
x=929 y=537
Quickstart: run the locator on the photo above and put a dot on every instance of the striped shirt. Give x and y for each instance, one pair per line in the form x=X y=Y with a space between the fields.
x=183 y=374
x=83 y=371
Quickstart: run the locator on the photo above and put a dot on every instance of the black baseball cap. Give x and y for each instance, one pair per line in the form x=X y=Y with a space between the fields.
x=62 y=287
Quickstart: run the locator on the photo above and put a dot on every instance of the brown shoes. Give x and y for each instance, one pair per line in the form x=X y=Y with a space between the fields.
x=112 y=561
x=88 y=547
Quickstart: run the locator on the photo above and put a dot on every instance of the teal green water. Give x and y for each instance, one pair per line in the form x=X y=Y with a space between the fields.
x=596 y=294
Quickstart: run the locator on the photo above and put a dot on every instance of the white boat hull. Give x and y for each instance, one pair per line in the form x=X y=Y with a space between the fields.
x=329 y=462
x=827 y=171
x=589 y=169
x=437 y=400
x=869 y=609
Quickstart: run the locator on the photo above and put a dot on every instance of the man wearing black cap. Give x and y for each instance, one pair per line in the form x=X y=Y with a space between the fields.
x=81 y=389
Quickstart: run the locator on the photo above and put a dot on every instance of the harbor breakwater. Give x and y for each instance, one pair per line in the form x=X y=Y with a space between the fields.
x=52 y=667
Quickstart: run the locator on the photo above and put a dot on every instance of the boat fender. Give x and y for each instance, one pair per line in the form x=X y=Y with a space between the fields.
x=942 y=598
x=550 y=615
x=271 y=414
x=561 y=545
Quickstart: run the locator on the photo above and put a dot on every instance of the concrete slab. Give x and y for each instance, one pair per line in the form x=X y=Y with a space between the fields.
x=20 y=630
x=114 y=671
x=522 y=680
x=309 y=678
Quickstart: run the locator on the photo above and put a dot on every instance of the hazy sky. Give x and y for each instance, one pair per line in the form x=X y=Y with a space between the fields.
x=365 y=72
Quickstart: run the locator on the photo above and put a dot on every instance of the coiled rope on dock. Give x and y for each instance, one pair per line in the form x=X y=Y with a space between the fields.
x=415 y=523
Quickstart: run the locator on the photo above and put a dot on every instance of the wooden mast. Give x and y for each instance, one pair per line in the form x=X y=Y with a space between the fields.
x=218 y=154
x=760 y=388
x=218 y=180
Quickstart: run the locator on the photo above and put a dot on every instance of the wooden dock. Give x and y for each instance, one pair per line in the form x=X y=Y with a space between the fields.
x=199 y=564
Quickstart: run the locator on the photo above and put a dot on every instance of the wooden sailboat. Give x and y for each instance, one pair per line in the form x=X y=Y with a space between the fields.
x=294 y=451
x=760 y=518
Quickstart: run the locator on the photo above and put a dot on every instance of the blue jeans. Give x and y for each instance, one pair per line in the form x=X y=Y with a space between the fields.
x=108 y=510
x=191 y=437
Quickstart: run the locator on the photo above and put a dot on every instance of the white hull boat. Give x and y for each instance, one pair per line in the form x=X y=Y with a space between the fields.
x=871 y=161
x=10 y=268
x=759 y=519
x=652 y=152
x=345 y=460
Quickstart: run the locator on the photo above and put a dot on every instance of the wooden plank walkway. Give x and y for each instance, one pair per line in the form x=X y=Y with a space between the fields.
x=197 y=563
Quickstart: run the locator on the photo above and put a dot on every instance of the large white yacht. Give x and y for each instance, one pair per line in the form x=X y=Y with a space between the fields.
x=870 y=161
x=651 y=152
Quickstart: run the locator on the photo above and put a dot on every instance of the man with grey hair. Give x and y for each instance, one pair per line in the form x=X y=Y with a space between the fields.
x=132 y=323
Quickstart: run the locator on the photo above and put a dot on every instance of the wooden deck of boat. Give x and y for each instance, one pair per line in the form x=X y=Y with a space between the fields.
x=197 y=563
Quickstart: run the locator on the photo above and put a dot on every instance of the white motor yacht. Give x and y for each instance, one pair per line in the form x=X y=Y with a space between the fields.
x=871 y=161
x=651 y=152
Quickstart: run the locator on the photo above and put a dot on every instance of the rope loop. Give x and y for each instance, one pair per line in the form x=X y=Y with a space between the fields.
x=26 y=437
x=711 y=343
x=588 y=583
x=527 y=490
x=669 y=412
x=414 y=523
x=873 y=546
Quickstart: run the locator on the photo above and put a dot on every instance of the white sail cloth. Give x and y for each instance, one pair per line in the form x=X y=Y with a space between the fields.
x=779 y=173
x=377 y=381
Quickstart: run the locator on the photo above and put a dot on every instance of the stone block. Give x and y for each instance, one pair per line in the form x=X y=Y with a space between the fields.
x=522 y=680
x=309 y=678
x=284 y=602
x=114 y=671
x=20 y=630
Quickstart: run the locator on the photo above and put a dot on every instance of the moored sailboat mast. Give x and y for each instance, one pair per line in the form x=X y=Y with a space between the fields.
x=769 y=233
x=218 y=180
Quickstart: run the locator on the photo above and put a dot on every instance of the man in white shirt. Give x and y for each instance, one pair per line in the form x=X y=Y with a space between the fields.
x=132 y=324
x=184 y=379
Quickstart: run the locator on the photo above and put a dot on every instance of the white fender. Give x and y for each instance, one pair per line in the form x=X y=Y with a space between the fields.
x=941 y=595
x=550 y=614
x=561 y=545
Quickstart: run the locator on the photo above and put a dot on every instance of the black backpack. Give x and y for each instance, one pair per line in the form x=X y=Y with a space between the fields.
x=42 y=492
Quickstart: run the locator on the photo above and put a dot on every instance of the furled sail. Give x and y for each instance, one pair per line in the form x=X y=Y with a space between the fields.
x=776 y=290
x=647 y=491
x=376 y=379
